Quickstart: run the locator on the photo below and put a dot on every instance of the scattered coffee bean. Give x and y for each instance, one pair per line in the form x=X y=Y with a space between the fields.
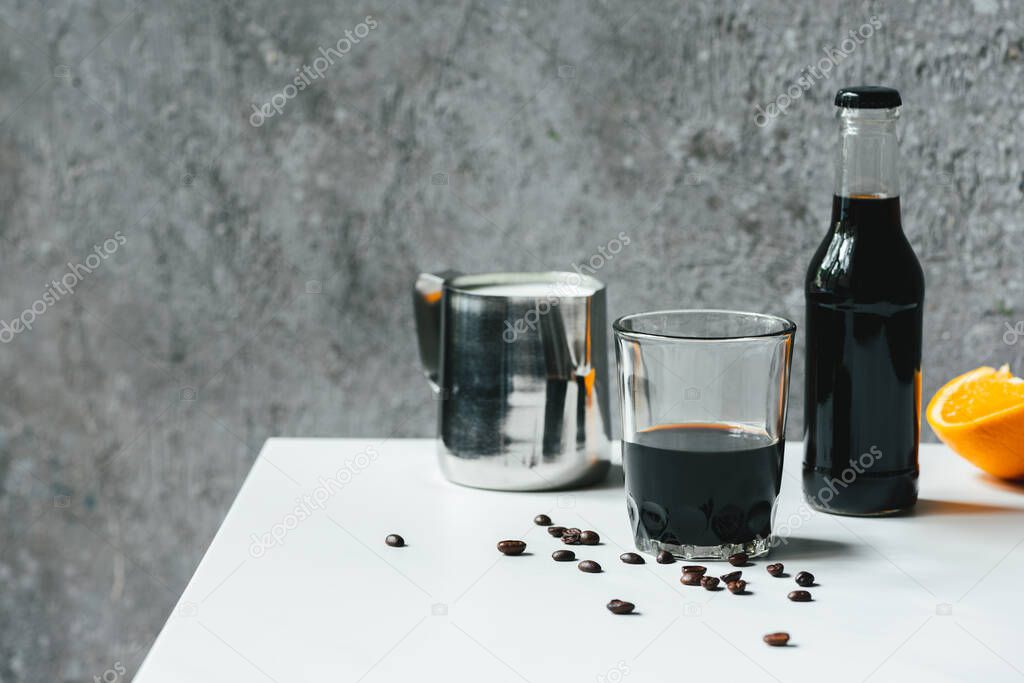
x=709 y=583
x=570 y=537
x=777 y=639
x=620 y=607
x=394 y=540
x=691 y=579
x=511 y=547
x=590 y=538
x=589 y=566
x=632 y=558
x=805 y=579
x=737 y=587
x=800 y=596
x=542 y=520
x=775 y=570
x=665 y=557
x=731 y=576
x=738 y=560
x=563 y=556
x=556 y=531
x=696 y=568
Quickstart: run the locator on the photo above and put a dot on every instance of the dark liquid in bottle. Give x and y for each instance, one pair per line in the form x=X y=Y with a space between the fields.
x=865 y=295
x=703 y=485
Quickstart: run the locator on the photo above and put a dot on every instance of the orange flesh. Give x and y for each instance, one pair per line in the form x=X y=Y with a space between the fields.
x=983 y=396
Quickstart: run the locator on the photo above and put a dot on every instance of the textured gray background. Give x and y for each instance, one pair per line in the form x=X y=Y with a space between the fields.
x=558 y=125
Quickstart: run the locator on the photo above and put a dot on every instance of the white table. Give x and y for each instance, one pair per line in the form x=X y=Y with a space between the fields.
x=936 y=596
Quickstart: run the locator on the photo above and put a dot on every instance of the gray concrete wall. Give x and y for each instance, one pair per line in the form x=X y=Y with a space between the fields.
x=258 y=284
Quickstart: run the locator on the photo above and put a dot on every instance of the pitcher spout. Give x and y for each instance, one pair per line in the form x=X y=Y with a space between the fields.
x=427 y=295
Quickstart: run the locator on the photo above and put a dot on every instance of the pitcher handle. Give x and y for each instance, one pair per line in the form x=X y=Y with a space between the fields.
x=427 y=295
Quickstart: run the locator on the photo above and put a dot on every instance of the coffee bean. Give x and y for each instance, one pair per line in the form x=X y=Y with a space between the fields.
x=777 y=639
x=665 y=557
x=589 y=566
x=691 y=579
x=800 y=596
x=738 y=560
x=571 y=537
x=556 y=531
x=737 y=587
x=709 y=583
x=775 y=569
x=804 y=579
x=394 y=540
x=632 y=558
x=511 y=547
x=542 y=520
x=696 y=568
x=590 y=538
x=620 y=606
x=731 y=576
x=563 y=556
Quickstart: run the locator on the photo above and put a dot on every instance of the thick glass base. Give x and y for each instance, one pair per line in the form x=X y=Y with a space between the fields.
x=869 y=495
x=755 y=548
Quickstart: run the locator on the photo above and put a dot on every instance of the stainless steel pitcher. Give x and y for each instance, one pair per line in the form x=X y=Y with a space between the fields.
x=519 y=365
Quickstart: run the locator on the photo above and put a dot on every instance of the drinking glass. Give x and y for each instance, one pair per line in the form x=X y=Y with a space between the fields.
x=704 y=396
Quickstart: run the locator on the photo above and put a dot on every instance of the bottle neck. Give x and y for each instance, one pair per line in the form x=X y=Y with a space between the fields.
x=868 y=162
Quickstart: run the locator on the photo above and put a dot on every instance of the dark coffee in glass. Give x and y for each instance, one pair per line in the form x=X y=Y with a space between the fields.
x=708 y=484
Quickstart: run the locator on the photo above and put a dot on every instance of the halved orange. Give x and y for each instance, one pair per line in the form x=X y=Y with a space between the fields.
x=980 y=415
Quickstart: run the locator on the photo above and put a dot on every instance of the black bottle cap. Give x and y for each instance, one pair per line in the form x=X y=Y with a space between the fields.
x=868 y=97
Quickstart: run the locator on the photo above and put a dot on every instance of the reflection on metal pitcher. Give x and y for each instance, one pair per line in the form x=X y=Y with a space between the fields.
x=520 y=361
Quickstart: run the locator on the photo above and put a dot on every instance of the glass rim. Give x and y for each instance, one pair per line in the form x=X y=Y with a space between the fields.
x=469 y=285
x=787 y=326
